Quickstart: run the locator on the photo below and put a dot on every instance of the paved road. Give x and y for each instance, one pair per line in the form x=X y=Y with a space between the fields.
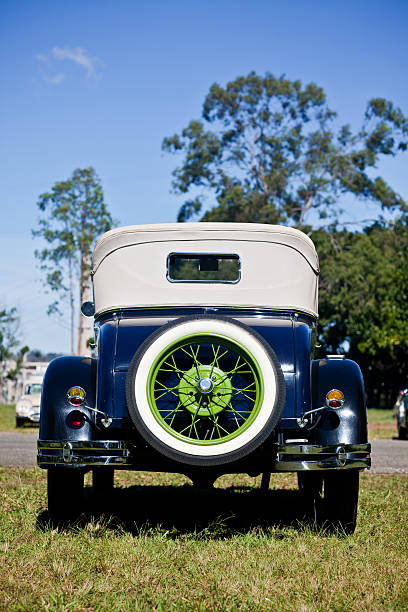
x=19 y=450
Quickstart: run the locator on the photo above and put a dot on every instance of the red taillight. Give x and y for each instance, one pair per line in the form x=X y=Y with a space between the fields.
x=335 y=403
x=77 y=419
x=75 y=401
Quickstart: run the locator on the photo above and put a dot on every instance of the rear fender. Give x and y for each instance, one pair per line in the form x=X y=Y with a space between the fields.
x=62 y=374
x=347 y=425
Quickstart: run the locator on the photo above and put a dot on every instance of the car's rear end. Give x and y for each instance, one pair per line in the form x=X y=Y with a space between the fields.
x=205 y=336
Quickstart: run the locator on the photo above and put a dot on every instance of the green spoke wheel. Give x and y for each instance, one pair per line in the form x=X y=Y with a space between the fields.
x=205 y=390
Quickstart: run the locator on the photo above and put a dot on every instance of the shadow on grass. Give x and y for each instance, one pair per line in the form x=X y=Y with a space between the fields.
x=186 y=511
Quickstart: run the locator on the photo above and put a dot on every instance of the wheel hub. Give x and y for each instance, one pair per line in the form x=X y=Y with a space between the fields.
x=205 y=385
x=205 y=390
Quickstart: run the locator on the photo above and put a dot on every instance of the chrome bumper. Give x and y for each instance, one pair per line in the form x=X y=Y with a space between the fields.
x=285 y=458
x=304 y=457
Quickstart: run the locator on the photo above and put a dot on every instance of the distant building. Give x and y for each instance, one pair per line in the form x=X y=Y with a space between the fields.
x=10 y=390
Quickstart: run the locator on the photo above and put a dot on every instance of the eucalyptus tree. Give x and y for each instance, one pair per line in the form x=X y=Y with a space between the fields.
x=9 y=341
x=363 y=302
x=9 y=324
x=72 y=215
x=269 y=150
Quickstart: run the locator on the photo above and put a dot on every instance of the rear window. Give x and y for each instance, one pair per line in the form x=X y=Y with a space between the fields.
x=203 y=268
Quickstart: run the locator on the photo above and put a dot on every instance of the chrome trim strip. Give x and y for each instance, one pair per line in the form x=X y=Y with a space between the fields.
x=304 y=457
x=87 y=444
x=84 y=460
x=288 y=457
x=314 y=449
x=325 y=464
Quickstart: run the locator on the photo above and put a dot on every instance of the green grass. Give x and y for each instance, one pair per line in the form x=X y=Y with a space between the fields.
x=8 y=420
x=169 y=547
x=381 y=423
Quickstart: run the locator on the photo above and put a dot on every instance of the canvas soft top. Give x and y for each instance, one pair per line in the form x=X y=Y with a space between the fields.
x=279 y=266
x=139 y=234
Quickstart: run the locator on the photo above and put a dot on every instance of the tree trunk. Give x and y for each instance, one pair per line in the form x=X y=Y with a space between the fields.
x=71 y=303
x=85 y=331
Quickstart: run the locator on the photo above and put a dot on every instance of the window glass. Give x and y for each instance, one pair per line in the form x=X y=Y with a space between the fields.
x=33 y=388
x=203 y=267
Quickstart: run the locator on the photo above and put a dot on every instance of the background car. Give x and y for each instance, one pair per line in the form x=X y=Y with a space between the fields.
x=400 y=412
x=28 y=405
x=205 y=342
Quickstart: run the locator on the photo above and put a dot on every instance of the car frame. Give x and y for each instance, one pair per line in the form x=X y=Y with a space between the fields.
x=205 y=365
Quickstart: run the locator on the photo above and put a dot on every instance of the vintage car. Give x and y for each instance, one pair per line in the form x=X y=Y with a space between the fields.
x=28 y=404
x=400 y=412
x=204 y=365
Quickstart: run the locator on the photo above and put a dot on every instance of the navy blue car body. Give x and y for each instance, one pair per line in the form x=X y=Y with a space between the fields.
x=117 y=420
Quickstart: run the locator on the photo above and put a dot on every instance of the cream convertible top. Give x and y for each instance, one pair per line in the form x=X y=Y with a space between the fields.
x=279 y=267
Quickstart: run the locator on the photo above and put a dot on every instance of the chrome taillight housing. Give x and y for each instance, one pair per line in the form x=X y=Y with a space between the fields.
x=335 y=399
x=76 y=396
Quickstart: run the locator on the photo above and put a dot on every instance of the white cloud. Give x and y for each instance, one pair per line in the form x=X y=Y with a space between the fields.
x=57 y=79
x=79 y=56
x=42 y=58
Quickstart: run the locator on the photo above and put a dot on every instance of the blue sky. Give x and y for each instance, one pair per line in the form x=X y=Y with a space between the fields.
x=101 y=83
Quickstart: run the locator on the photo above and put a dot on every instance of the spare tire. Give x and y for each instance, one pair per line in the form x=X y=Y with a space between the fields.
x=205 y=390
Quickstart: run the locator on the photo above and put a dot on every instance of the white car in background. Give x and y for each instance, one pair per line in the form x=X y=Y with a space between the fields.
x=28 y=405
x=400 y=412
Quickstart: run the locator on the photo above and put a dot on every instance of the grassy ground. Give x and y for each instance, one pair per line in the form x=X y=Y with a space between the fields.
x=380 y=423
x=169 y=547
x=8 y=420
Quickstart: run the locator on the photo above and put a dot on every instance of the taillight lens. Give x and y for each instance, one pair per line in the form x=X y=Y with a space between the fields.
x=77 y=419
x=335 y=399
x=76 y=396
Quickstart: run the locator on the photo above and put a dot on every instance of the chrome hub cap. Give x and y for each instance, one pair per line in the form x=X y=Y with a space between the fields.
x=205 y=385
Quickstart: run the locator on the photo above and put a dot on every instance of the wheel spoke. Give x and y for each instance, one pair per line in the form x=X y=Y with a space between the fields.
x=190 y=403
x=176 y=370
x=215 y=421
x=161 y=395
x=235 y=369
x=246 y=388
x=175 y=412
x=166 y=390
x=194 y=418
x=245 y=395
x=214 y=400
x=194 y=357
x=238 y=412
x=215 y=362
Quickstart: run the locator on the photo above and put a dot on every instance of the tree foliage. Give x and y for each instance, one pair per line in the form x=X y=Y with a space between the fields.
x=73 y=215
x=9 y=341
x=363 y=302
x=9 y=324
x=268 y=151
